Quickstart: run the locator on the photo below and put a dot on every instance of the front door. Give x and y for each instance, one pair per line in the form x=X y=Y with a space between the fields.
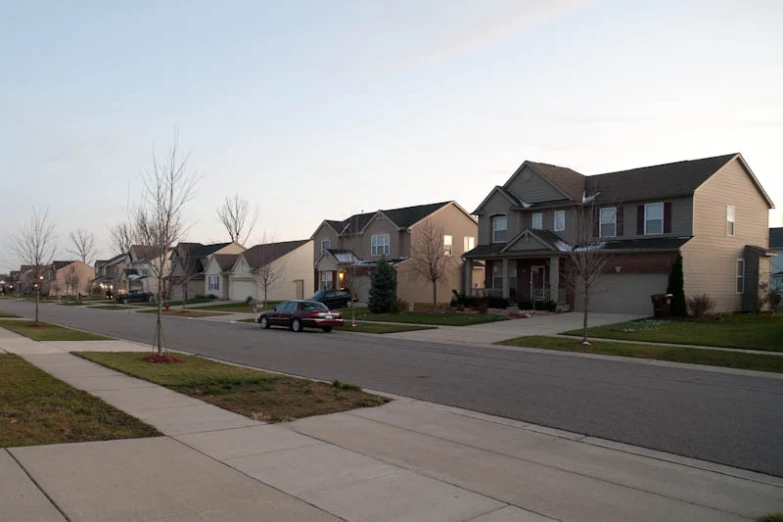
x=537 y=279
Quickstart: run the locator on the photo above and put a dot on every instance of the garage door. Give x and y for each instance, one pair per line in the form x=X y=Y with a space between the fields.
x=628 y=293
x=241 y=290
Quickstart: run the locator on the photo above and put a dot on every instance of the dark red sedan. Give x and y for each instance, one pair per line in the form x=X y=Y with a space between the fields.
x=298 y=315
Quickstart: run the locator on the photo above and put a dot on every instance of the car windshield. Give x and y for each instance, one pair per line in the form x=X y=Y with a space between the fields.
x=314 y=305
x=318 y=295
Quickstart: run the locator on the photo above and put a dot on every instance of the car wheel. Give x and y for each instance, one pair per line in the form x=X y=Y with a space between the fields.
x=264 y=323
x=296 y=325
x=327 y=329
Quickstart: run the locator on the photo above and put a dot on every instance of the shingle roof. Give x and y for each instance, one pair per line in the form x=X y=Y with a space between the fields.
x=402 y=217
x=657 y=181
x=663 y=243
x=485 y=250
x=144 y=252
x=225 y=261
x=261 y=255
x=776 y=237
x=57 y=265
x=571 y=182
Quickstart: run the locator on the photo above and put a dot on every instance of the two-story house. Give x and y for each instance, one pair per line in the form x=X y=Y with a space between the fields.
x=776 y=268
x=109 y=274
x=354 y=245
x=143 y=262
x=67 y=278
x=713 y=211
x=188 y=262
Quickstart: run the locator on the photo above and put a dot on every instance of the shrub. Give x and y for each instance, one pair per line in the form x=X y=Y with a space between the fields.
x=676 y=288
x=768 y=297
x=249 y=299
x=498 y=302
x=383 y=292
x=549 y=306
x=700 y=305
x=399 y=306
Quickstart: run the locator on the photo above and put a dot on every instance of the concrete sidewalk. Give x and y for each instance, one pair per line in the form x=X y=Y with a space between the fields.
x=407 y=460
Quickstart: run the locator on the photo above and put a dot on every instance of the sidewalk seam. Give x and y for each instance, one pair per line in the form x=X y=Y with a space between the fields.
x=37 y=485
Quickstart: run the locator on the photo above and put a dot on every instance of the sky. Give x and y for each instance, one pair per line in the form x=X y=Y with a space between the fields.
x=316 y=110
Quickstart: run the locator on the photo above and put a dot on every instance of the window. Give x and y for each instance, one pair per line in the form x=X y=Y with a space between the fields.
x=327 y=280
x=608 y=222
x=497 y=275
x=537 y=222
x=214 y=282
x=379 y=245
x=447 y=245
x=499 y=229
x=740 y=276
x=512 y=277
x=730 y=215
x=653 y=218
x=325 y=245
x=469 y=243
x=559 y=220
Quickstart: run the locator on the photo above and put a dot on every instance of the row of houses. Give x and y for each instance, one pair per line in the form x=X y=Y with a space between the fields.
x=55 y=279
x=515 y=244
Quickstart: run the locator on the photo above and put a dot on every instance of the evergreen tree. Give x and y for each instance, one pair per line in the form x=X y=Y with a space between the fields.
x=383 y=293
x=676 y=288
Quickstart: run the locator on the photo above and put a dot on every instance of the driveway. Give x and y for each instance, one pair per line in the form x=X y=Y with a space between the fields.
x=489 y=333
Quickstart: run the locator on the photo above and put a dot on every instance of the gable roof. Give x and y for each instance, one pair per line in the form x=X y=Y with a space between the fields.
x=261 y=255
x=143 y=252
x=568 y=181
x=401 y=217
x=776 y=237
x=57 y=265
x=225 y=261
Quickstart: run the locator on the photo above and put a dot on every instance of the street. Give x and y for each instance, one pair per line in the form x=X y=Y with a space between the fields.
x=728 y=419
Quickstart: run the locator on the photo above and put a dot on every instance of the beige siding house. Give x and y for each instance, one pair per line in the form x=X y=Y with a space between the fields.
x=188 y=262
x=354 y=246
x=67 y=278
x=286 y=267
x=713 y=211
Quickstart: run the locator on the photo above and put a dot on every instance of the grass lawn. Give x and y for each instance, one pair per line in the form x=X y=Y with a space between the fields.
x=434 y=318
x=109 y=307
x=381 y=328
x=752 y=332
x=50 y=332
x=197 y=300
x=187 y=312
x=236 y=307
x=10 y=316
x=36 y=408
x=255 y=394
x=746 y=361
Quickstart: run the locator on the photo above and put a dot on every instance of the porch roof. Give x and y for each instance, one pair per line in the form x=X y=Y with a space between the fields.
x=558 y=246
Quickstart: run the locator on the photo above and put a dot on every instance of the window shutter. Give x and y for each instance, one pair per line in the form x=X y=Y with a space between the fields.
x=619 y=219
x=596 y=214
x=667 y=218
x=640 y=220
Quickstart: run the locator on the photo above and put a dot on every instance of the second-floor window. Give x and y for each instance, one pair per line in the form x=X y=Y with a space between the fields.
x=499 y=229
x=325 y=245
x=730 y=216
x=379 y=245
x=653 y=218
x=537 y=221
x=214 y=282
x=469 y=243
x=559 y=220
x=608 y=222
x=447 y=245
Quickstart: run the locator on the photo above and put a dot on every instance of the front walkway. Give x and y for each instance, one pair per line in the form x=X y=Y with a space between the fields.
x=407 y=460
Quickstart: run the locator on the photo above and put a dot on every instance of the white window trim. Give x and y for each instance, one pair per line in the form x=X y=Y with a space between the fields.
x=213 y=279
x=733 y=220
x=740 y=277
x=328 y=245
x=663 y=219
x=469 y=243
x=448 y=246
x=378 y=249
x=493 y=219
x=562 y=213
x=601 y=222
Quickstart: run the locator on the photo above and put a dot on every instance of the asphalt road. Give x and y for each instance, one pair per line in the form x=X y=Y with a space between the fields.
x=728 y=419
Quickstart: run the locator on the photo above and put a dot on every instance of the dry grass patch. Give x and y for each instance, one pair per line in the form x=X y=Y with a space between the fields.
x=50 y=332
x=186 y=312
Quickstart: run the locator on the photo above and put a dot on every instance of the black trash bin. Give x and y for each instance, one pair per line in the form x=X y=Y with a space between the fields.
x=662 y=305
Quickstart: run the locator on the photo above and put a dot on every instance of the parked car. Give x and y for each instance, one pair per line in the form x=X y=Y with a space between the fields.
x=298 y=315
x=333 y=298
x=134 y=296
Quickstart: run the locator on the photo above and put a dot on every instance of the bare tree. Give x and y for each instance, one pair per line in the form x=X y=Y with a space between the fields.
x=235 y=216
x=83 y=245
x=188 y=264
x=158 y=220
x=586 y=259
x=430 y=257
x=270 y=269
x=34 y=244
x=123 y=236
x=72 y=281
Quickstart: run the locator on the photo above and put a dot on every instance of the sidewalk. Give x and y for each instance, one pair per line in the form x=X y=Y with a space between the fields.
x=407 y=460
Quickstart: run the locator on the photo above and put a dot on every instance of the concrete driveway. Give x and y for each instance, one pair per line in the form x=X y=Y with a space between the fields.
x=489 y=333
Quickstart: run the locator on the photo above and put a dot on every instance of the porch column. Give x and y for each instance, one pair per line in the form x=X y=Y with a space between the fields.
x=467 y=266
x=505 y=278
x=554 y=278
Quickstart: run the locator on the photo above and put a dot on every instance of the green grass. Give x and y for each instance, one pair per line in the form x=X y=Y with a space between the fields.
x=109 y=307
x=432 y=318
x=36 y=408
x=256 y=394
x=752 y=332
x=380 y=328
x=197 y=300
x=237 y=307
x=746 y=361
x=10 y=316
x=50 y=332
x=179 y=312
x=772 y=517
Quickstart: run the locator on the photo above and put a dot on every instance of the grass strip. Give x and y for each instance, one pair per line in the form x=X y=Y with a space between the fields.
x=50 y=332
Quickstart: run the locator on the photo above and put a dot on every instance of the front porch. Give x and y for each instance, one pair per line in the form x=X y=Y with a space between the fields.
x=522 y=280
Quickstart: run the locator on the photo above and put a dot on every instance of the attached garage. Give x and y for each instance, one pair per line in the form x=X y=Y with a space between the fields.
x=624 y=293
x=241 y=289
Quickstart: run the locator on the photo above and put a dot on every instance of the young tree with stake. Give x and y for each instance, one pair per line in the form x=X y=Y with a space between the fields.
x=34 y=245
x=429 y=258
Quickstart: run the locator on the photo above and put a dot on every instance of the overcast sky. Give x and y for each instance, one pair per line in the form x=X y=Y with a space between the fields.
x=315 y=110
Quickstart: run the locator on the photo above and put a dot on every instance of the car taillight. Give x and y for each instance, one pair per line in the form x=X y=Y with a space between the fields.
x=338 y=315
x=315 y=314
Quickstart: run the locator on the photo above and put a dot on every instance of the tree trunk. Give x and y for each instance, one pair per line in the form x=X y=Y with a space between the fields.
x=159 y=325
x=184 y=295
x=434 y=295
x=37 y=298
x=584 y=317
x=266 y=301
